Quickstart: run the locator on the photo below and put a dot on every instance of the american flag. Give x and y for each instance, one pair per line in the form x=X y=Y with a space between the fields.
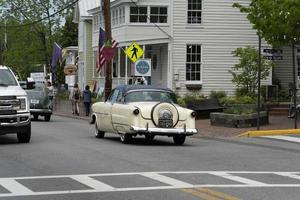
x=101 y=60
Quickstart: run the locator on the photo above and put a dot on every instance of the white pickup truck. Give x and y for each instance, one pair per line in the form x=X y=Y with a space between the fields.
x=14 y=107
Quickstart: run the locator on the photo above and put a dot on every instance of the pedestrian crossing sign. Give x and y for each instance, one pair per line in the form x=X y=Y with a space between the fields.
x=134 y=52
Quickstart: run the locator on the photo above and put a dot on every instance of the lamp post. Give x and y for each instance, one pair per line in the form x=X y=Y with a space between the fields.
x=258 y=79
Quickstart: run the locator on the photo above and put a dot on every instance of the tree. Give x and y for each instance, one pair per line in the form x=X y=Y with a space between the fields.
x=245 y=73
x=43 y=18
x=277 y=21
x=69 y=33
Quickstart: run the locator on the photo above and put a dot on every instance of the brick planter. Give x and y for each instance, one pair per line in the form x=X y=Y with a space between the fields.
x=238 y=121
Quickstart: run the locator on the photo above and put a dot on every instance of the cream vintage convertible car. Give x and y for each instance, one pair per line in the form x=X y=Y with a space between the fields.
x=133 y=110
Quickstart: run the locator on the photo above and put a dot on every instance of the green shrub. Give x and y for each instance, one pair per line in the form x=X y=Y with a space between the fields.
x=181 y=101
x=217 y=95
x=246 y=100
x=193 y=97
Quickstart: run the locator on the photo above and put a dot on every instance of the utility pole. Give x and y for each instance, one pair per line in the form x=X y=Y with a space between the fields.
x=107 y=21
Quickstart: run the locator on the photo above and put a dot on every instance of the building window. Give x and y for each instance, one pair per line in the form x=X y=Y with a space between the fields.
x=193 y=62
x=138 y=14
x=158 y=14
x=122 y=15
x=194 y=11
x=114 y=17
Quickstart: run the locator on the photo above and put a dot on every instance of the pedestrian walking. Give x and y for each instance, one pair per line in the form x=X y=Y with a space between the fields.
x=87 y=100
x=50 y=90
x=75 y=99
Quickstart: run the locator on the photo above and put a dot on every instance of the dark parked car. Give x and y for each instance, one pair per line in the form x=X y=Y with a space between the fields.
x=40 y=104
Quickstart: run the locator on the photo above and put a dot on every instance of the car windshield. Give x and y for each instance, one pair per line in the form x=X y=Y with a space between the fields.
x=38 y=92
x=7 y=78
x=151 y=95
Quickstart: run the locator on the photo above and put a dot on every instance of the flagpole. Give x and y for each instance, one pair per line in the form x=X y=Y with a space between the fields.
x=107 y=20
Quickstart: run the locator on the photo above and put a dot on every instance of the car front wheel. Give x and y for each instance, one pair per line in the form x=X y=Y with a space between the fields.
x=125 y=138
x=24 y=136
x=98 y=133
x=179 y=139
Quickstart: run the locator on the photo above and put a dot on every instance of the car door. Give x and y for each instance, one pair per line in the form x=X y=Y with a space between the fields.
x=120 y=114
x=105 y=117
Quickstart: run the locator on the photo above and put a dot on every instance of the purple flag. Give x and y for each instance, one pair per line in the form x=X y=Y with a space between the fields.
x=56 y=55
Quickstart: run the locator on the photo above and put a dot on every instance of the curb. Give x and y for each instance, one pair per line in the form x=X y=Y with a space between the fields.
x=269 y=132
x=71 y=116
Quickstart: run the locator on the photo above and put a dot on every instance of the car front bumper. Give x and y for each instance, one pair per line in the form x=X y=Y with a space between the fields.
x=164 y=131
x=40 y=111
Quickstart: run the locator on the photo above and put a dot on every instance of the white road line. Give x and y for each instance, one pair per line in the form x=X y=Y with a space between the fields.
x=15 y=187
x=93 y=183
x=238 y=179
x=285 y=138
x=167 y=180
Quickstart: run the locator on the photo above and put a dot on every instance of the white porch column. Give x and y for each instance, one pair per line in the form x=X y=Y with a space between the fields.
x=118 y=65
x=126 y=71
x=170 y=75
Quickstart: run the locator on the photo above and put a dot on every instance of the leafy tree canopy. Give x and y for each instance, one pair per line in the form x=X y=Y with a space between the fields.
x=31 y=45
x=277 y=21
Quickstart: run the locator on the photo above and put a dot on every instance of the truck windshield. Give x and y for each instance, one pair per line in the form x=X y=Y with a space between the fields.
x=7 y=78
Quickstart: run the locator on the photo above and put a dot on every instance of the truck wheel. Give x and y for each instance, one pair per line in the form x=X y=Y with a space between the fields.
x=47 y=118
x=35 y=117
x=179 y=139
x=24 y=136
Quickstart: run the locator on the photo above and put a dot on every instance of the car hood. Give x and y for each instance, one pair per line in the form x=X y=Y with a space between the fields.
x=12 y=91
x=146 y=109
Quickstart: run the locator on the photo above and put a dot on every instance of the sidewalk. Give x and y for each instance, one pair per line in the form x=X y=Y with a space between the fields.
x=205 y=129
x=275 y=123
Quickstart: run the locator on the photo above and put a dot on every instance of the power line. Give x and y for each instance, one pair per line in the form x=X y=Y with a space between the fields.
x=42 y=19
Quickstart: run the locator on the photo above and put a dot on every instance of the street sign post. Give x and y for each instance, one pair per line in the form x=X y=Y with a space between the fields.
x=272 y=54
x=143 y=67
x=134 y=52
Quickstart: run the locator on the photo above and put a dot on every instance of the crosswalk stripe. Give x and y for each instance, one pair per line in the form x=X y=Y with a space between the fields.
x=285 y=138
x=167 y=180
x=238 y=179
x=93 y=183
x=14 y=187
x=287 y=174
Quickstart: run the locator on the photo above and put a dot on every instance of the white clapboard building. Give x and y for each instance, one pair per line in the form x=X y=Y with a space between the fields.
x=189 y=42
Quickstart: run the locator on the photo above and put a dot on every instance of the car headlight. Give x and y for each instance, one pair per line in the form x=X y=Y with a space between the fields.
x=24 y=105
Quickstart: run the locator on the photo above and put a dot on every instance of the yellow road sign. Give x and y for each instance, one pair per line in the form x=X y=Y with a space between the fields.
x=134 y=52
